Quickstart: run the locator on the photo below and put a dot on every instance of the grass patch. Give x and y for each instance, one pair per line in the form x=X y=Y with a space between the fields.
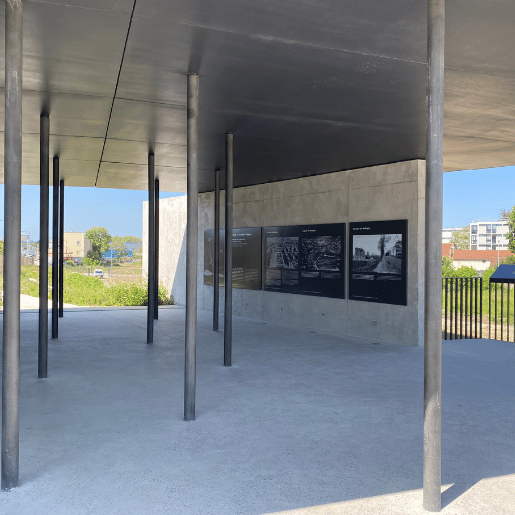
x=83 y=290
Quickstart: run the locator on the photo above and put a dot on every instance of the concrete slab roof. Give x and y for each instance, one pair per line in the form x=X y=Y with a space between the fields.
x=306 y=87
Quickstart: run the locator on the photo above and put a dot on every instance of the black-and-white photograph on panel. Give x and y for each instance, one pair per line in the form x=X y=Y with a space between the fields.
x=305 y=259
x=246 y=258
x=377 y=261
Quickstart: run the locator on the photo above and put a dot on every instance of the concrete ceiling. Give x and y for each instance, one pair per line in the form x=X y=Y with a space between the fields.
x=306 y=86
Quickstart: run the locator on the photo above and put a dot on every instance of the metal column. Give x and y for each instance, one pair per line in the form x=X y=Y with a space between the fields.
x=12 y=235
x=191 y=251
x=433 y=259
x=151 y=250
x=156 y=260
x=43 y=245
x=228 y=250
x=61 y=248
x=55 y=248
x=216 y=260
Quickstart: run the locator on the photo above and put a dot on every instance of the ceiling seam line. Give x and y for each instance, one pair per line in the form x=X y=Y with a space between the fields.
x=267 y=38
x=115 y=90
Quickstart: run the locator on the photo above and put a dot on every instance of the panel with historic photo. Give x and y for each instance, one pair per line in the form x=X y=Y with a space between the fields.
x=377 y=261
x=305 y=259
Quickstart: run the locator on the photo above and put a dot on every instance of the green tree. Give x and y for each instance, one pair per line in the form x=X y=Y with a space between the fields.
x=511 y=233
x=383 y=240
x=447 y=268
x=100 y=240
x=461 y=238
x=1 y=246
x=504 y=214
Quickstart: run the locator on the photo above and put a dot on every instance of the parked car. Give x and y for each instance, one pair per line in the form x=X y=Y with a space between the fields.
x=98 y=273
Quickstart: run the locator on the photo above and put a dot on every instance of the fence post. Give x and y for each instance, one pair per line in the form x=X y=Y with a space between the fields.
x=446 y=308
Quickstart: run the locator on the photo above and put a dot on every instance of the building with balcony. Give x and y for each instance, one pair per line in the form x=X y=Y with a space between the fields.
x=489 y=235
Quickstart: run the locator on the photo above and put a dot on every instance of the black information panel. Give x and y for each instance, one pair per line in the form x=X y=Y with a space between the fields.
x=246 y=258
x=305 y=259
x=377 y=261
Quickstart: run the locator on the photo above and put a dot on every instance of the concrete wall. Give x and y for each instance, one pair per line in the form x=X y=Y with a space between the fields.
x=386 y=192
x=172 y=245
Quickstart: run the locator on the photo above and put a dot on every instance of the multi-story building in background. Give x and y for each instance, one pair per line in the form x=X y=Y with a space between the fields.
x=447 y=234
x=76 y=245
x=489 y=235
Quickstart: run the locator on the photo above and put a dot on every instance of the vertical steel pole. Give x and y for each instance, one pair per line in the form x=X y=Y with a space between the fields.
x=216 y=260
x=229 y=146
x=461 y=308
x=156 y=273
x=451 y=307
x=191 y=251
x=446 y=307
x=456 y=281
x=495 y=310
x=475 y=307
x=61 y=248
x=433 y=264
x=43 y=245
x=55 y=248
x=12 y=235
x=489 y=309
x=151 y=249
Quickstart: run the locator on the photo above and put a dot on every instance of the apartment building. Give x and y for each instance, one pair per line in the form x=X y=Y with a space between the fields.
x=489 y=235
x=76 y=244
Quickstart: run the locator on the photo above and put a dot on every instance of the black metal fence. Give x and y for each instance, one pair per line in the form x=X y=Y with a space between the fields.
x=463 y=307
x=499 y=307
x=469 y=311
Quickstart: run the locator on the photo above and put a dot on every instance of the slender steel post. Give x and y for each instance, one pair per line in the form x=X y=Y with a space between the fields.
x=55 y=248
x=151 y=250
x=466 y=304
x=191 y=250
x=475 y=307
x=433 y=258
x=489 y=309
x=61 y=248
x=216 y=260
x=461 y=308
x=446 y=307
x=156 y=273
x=12 y=236
x=43 y=246
x=481 y=308
x=508 y=312
x=495 y=310
x=502 y=302
x=456 y=280
x=229 y=170
x=451 y=307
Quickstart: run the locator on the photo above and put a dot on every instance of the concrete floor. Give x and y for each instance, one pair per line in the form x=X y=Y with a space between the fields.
x=303 y=423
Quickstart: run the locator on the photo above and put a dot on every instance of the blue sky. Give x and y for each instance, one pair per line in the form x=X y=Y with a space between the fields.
x=468 y=195
x=119 y=211
x=473 y=194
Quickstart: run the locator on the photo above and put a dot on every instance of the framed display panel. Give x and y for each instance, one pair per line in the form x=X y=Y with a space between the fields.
x=246 y=258
x=378 y=261
x=305 y=259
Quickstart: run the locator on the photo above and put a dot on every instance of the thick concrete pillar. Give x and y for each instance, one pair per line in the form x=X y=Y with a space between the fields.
x=43 y=245
x=191 y=251
x=156 y=263
x=12 y=235
x=55 y=247
x=216 y=260
x=228 y=249
x=61 y=248
x=433 y=261
x=151 y=250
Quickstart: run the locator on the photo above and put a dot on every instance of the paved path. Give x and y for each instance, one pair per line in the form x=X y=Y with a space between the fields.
x=28 y=302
